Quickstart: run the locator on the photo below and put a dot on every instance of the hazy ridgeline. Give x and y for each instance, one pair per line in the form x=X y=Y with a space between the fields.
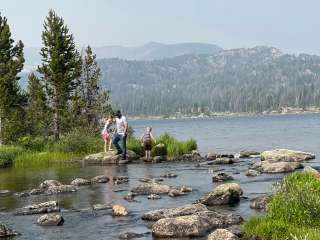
x=241 y=80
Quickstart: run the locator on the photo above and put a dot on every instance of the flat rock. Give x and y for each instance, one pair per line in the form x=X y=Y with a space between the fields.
x=249 y=154
x=221 y=177
x=6 y=232
x=214 y=156
x=252 y=173
x=98 y=207
x=260 y=203
x=118 y=210
x=5 y=193
x=185 y=189
x=100 y=179
x=286 y=155
x=195 y=225
x=276 y=167
x=49 y=183
x=174 y=212
x=149 y=188
x=53 y=219
x=109 y=158
x=176 y=193
x=225 y=194
x=45 y=207
x=150 y=180
x=222 y=234
x=61 y=189
x=80 y=182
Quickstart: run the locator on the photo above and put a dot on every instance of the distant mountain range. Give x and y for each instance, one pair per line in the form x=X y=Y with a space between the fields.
x=239 y=80
x=149 y=51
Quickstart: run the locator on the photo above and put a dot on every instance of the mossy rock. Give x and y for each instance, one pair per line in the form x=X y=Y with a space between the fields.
x=159 y=150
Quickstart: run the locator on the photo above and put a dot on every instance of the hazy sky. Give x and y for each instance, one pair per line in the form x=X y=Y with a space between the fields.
x=292 y=25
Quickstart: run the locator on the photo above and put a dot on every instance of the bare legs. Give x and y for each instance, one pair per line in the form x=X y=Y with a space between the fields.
x=110 y=144
x=107 y=145
x=148 y=155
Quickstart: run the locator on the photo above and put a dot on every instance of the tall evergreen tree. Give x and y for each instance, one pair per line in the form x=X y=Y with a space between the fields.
x=11 y=97
x=37 y=110
x=91 y=101
x=61 y=66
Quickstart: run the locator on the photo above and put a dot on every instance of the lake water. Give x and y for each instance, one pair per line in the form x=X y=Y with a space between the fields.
x=225 y=134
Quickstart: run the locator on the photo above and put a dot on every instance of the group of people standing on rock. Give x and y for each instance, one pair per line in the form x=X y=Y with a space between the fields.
x=114 y=136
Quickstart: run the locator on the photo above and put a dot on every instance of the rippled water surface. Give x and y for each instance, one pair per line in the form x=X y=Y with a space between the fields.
x=229 y=135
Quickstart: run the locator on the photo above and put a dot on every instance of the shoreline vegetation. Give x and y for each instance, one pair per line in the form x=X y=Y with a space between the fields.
x=178 y=115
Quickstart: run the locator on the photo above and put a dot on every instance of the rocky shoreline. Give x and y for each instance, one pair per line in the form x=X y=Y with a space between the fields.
x=195 y=219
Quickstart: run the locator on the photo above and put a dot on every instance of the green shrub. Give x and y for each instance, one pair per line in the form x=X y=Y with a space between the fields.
x=294 y=210
x=134 y=144
x=159 y=150
x=177 y=148
x=8 y=154
x=34 y=143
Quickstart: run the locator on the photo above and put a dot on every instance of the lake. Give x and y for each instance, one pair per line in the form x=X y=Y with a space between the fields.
x=223 y=134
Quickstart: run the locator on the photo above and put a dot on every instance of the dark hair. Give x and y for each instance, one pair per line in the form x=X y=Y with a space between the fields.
x=118 y=114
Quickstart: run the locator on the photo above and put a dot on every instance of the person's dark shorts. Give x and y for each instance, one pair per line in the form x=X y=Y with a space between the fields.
x=147 y=146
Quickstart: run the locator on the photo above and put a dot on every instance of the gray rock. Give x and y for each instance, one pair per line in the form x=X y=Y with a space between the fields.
x=120 y=180
x=260 y=203
x=195 y=225
x=174 y=212
x=45 y=207
x=214 y=156
x=49 y=183
x=311 y=170
x=80 y=182
x=223 y=160
x=6 y=232
x=225 y=194
x=176 y=193
x=286 y=155
x=150 y=180
x=149 y=188
x=98 y=207
x=169 y=175
x=61 y=189
x=248 y=154
x=185 y=189
x=154 y=197
x=252 y=173
x=52 y=219
x=222 y=234
x=158 y=159
x=36 y=191
x=130 y=197
x=100 y=179
x=5 y=193
x=221 y=177
x=130 y=235
x=276 y=167
x=109 y=158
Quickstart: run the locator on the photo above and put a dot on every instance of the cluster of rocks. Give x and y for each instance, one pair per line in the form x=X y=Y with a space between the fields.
x=6 y=232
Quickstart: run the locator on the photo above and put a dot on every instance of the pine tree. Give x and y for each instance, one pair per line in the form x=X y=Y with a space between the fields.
x=91 y=101
x=11 y=97
x=61 y=65
x=37 y=110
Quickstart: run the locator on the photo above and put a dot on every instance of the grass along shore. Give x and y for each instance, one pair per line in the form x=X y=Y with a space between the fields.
x=75 y=146
x=293 y=211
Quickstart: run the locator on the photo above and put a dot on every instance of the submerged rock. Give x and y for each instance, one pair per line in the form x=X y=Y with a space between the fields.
x=6 y=232
x=252 y=173
x=80 y=182
x=130 y=235
x=109 y=158
x=36 y=191
x=154 y=197
x=169 y=175
x=185 y=189
x=118 y=210
x=174 y=212
x=5 y=193
x=98 y=207
x=286 y=155
x=149 y=188
x=224 y=160
x=120 y=180
x=224 y=194
x=260 y=203
x=49 y=183
x=45 y=207
x=130 y=197
x=100 y=179
x=195 y=225
x=221 y=177
x=222 y=234
x=61 y=189
x=276 y=167
x=214 y=156
x=150 y=180
x=52 y=219
x=248 y=154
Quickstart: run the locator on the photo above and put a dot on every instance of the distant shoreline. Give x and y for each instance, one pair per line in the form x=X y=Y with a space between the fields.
x=286 y=111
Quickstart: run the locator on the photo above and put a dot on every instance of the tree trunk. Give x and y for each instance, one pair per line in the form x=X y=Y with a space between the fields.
x=56 y=116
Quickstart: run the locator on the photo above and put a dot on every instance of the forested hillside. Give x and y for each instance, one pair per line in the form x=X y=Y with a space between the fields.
x=241 y=80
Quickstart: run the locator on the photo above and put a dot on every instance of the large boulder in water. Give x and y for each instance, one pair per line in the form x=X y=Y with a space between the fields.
x=286 y=155
x=222 y=234
x=174 y=212
x=224 y=194
x=109 y=158
x=260 y=203
x=276 y=167
x=151 y=188
x=195 y=225
x=45 y=207
x=6 y=232
x=52 y=219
